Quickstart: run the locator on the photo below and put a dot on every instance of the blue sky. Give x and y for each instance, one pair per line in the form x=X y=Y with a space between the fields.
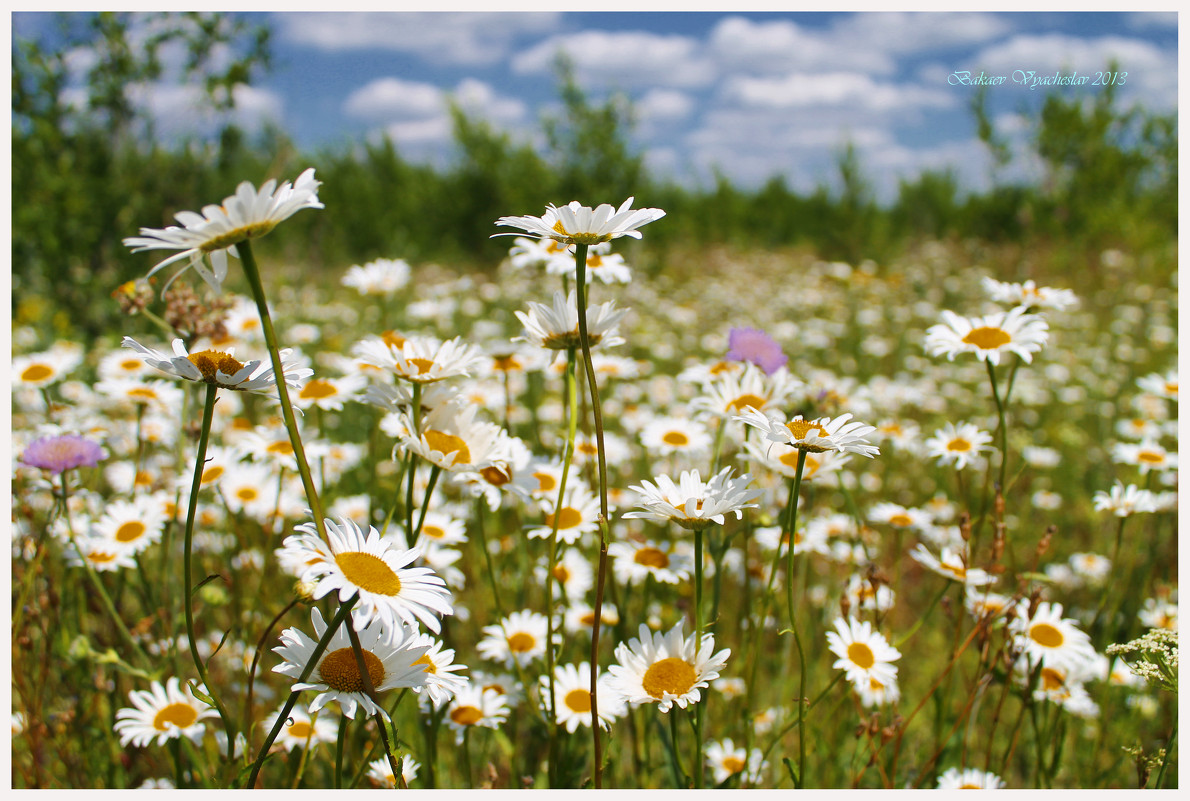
x=747 y=94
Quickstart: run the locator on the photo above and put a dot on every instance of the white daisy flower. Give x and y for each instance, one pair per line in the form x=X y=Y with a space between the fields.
x=248 y=214
x=475 y=706
x=572 y=572
x=813 y=436
x=988 y=337
x=726 y=760
x=876 y=693
x=666 y=436
x=1029 y=295
x=691 y=502
x=969 y=779
x=148 y=394
x=958 y=445
x=555 y=326
x=422 y=360
x=666 y=669
x=863 y=593
x=134 y=525
x=952 y=565
x=101 y=553
x=981 y=603
x=37 y=370
x=454 y=440
x=1049 y=639
x=516 y=640
x=782 y=458
x=635 y=561
x=329 y=394
x=580 y=617
x=220 y=369
x=572 y=697
x=731 y=393
x=575 y=224
x=1163 y=386
x=162 y=713
x=1147 y=455
x=390 y=655
x=380 y=772
x=352 y=562
x=438 y=663
x=526 y=252
x=863 y=652
x=377 y=277
x=577 y=515
x=300 y=730
x=898 y=516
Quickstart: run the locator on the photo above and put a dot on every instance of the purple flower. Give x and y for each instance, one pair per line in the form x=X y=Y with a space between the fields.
x=754 y=345
x=60 y=453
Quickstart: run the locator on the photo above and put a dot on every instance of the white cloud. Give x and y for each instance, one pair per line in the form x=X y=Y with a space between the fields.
x=479 y=99
x=450 y=38
x=782 y=45
x=851 y=89
x=664 y=105
x=392 y=98
x=903 y=32
x=1149 y=20
x=627 y=58
x=434 y=129
x=183 y=110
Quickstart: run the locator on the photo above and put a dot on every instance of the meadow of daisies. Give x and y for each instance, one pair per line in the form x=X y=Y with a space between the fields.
x=771 y=521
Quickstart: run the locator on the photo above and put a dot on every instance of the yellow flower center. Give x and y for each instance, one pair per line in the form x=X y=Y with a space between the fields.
x=495 y=476
x=447 y=444
x=37 y=372
x=580 y=237
x=282 y=447
x=1171 y=387
x=801 y=428
x=131 y=365
x=211 y=473
x=230 y=238
x=861 y=655
x=100 y=557
x=521 y=642
x=675 y=438
x=1052 y=679
x=746 y=400
x=339 y=671
x=545 y=482
x=433 y=532
x=466 y=715
x=209 y=362
x=1046 y=636
x=393 y=339
x=422 y=365
x=424 y=659
x=318 y=389
x=561 y=573
x=1152 y=457
x=569 y=517
x=301 y=730
x=578 y=700
x=874 y=685
x=130 y=531
x=958 y=444
x=987 y=338
x=138 y=393
x=808 y=469
x=180 y=715
x=733 y=764
x=900 y=520
x=506 y=364
x=720 y=367
x=651 y=557
x=957 y=570
x=670 y=675
x=246 y=494
x=970 y=787
x=368 y=572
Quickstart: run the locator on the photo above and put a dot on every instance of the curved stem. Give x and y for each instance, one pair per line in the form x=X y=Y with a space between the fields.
x=252 y=671
x=252 y=273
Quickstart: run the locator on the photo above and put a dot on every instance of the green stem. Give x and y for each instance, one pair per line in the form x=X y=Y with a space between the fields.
x=1173 y=733
x=697 y=712
x=1003 y=428
x=435 y=471
x=252 y=272
x=319 y=649
x=343 y=721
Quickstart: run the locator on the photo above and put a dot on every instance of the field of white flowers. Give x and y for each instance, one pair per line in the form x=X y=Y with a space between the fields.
x=379 y=535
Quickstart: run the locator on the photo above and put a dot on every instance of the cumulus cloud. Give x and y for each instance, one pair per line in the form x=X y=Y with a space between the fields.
x=852 y=89
x=467 y=38
x=738 y=43
x=900 y=32
x=392 y=98
x=183 y=110
x=664 y=105
x=625 y=59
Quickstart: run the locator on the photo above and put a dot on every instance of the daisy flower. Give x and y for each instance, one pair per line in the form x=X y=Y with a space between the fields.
x=813 y=436
x=782 y=458
x=952 y=565
x=969 y=779
x=37 y=370
x=572 y=572
x=876 y=693
x=755 y=346
x=526 y=252
x=555 y=326
x=578 y=515
x=380 y=772
x=1123 y=501
x=572 y=697
x=666 y=436
x=580 y=617
x=351 y=562
x=475 y=706
x=898 y=516
x=863 y=652
x=378 y=277
x=329 y=394
x=441 y=683
x=988 y=337
x=1049 y=639
x=248 y=214
x=422 y=360
x=1163 y=386
x=982 y=603
x=162 y=713
x=100 y=553
x=958 y=445
x=575 y=224
x=1029 y=295
x=390 y=655
x=692 y=503
x=731 y=393
x=452 y=439
x=220 y=369
x=300 y=730
x=726 y=760
x=1147 y=455
x=666 y=669
x=635 y=561
x=516 y=640
x=134 y=525
x=148 y=394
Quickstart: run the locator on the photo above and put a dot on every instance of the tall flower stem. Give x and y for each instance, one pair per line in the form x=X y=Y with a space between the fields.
x=697 y=712
x=200 y=459
x=580 y=271
x=801 y=656
x=319 y=649
x=1000 y=411
x=411 y=469
x=252 y=272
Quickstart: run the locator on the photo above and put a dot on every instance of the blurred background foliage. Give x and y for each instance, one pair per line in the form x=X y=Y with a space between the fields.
x=87 y=171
